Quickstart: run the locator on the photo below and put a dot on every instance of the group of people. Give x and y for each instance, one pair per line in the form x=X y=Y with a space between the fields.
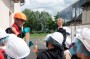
x=12 y=44
x=59 y=44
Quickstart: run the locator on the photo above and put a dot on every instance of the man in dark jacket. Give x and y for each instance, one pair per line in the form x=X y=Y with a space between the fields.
x=55 y=49
x=61 y=30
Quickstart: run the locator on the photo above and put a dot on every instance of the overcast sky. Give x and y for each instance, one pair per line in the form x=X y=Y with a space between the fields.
x=51 y=6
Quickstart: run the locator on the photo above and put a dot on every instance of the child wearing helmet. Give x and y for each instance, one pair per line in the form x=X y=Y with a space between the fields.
x=72 y=48
x=13 y=46
x=82 y=42
x=67 y=43
x=55 y=49
x=3 y=39
x=61 y=30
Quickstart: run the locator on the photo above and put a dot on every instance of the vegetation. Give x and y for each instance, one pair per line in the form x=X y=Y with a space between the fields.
x=39 y=21
x=39 y=36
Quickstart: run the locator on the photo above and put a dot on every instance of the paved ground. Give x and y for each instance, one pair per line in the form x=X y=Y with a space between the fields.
x=41 y=46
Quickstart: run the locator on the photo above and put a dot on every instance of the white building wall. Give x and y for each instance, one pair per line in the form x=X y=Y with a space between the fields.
x=86 y=15
x=7 y=10
x=4 y=15
x=16 y=7
x=74 y=28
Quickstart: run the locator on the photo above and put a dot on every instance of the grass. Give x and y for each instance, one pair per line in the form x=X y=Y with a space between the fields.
x=36 y=35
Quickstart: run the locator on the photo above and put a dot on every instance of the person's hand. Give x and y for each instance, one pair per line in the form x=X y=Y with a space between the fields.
x=35 y=48
x=26 y=30
x=30 y=43
x=60 y=22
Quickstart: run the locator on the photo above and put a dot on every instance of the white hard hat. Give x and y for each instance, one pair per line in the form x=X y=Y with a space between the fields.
x=58 y=37
x=67 y=29
x=68 y=41
x=84 y=37
x=46 y=38
x=2 y=33
x=16 y=47
x=78 y=30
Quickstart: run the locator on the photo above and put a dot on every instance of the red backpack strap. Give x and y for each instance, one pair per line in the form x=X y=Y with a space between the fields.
x=15 y=29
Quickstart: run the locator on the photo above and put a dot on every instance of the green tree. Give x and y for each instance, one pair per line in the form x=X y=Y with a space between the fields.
x=38 y=21
x=45 y=18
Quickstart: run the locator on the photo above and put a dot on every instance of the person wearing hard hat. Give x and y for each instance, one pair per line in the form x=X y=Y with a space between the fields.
x=68 y=37
x=54 y=45
x=2 y=43
x=71 y=52
x=17 y=27
x=67 y=43
x=14 y=46
x=36 y=46
x=82 y=42
x=61 y=30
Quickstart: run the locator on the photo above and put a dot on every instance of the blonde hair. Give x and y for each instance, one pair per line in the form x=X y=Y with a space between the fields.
x=60 y=19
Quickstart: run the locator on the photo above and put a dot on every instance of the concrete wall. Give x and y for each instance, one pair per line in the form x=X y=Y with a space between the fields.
x=74 y=28
x=16 y=7
x=4 y=15
x=7 y=10
x=86 y=15
x=9 y=4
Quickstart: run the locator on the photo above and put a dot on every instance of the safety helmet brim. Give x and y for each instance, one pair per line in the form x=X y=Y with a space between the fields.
x=84 y=37
x=20 y=15
x=16 y=47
